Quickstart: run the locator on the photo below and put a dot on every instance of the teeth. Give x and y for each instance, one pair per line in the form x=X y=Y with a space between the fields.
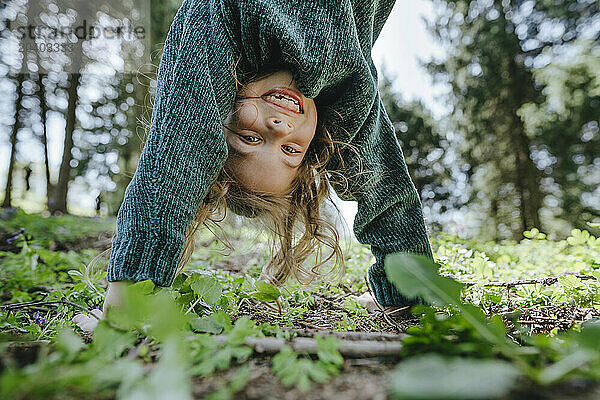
x=284 y=101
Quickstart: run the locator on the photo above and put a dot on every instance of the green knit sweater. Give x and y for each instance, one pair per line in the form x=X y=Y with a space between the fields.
x=326 y=44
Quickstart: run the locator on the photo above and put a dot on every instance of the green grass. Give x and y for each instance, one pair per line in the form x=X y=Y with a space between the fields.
x=44 y=228
x=230 y=300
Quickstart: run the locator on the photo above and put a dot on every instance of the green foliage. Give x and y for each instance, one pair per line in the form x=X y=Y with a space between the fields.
x=266 y=292
x=237 y=383
x=533 y=258
x=524 y=110
x=207 y=287
x=468 y=332
x=170 y=378
x=328 y=351
x=299 y=372
x=416 y=275
x=293 y=370
x=171 y=332
x=65 y=230
x=208 y=355
x=439 y=332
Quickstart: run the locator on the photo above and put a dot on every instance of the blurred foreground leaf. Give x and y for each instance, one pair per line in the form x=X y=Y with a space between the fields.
x=436 y=377
x=416 y=275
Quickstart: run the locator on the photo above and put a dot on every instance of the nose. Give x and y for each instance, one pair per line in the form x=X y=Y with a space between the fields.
x=280 y=125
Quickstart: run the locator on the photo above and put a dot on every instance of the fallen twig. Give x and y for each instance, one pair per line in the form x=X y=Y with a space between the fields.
x=548 y=321
x=347 y=348
x=545 y=281
x=311 y=326
x=371 y=336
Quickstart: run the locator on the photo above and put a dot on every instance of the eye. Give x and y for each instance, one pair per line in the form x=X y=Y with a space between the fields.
x=293 y=151
x=249 y=139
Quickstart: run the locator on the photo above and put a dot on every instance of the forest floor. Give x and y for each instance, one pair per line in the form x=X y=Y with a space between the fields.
x=540 y=288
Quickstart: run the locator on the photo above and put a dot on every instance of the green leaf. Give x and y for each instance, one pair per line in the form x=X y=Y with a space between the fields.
x=144 y=287
x=208 y=288
x=223 y=319
x=569 y=281
x=578 y=237
x=416 y=275
x=205 y=324
x=169 y=379
x=588 y=336
x=242 y=328
x=564 y=366
x=266 y=292
x=154 y=314
x=179 y=281
x=328 y=350
x=109 y=343
x=435 y=377
x=481 y=268
x=68 y=343
x=299 y=372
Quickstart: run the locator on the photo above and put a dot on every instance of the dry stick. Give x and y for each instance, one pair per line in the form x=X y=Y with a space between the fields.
x=382 y=310
x=372 y=336
x=27 y=304
x=318 y=328
x=397 y=310
x=264 y=303
x=546 y=281
x=48 y=325
x=390 y=322
x=347 y=348
x=548 y=321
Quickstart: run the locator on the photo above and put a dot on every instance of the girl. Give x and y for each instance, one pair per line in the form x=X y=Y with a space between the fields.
x=314 y=116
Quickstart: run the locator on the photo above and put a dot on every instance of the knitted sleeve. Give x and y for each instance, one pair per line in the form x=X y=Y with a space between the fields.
x=327 y=45
x=184 y=151
x=390 y=216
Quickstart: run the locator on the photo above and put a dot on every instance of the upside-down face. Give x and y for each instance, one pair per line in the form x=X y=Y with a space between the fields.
x=268 y=133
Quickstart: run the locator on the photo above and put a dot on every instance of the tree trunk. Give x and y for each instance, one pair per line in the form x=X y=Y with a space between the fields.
x=44 y=135
x=13 y=142
x=494 y=214
x=527 y=183
x=526 y=177
x=59 y=200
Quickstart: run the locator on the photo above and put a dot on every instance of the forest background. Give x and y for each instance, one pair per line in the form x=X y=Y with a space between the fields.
x=502 y=137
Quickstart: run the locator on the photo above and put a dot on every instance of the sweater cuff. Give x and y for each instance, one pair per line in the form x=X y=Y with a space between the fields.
x=138 y=258
x=385 y=292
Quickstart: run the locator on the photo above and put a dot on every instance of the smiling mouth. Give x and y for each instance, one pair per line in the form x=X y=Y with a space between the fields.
x=285 y=98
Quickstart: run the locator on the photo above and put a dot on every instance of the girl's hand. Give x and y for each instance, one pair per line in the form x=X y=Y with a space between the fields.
x=88 y=323
x=368 y=301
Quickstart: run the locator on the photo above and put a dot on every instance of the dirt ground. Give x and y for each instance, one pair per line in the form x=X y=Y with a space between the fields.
x=360 y=379
x=363 y=379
